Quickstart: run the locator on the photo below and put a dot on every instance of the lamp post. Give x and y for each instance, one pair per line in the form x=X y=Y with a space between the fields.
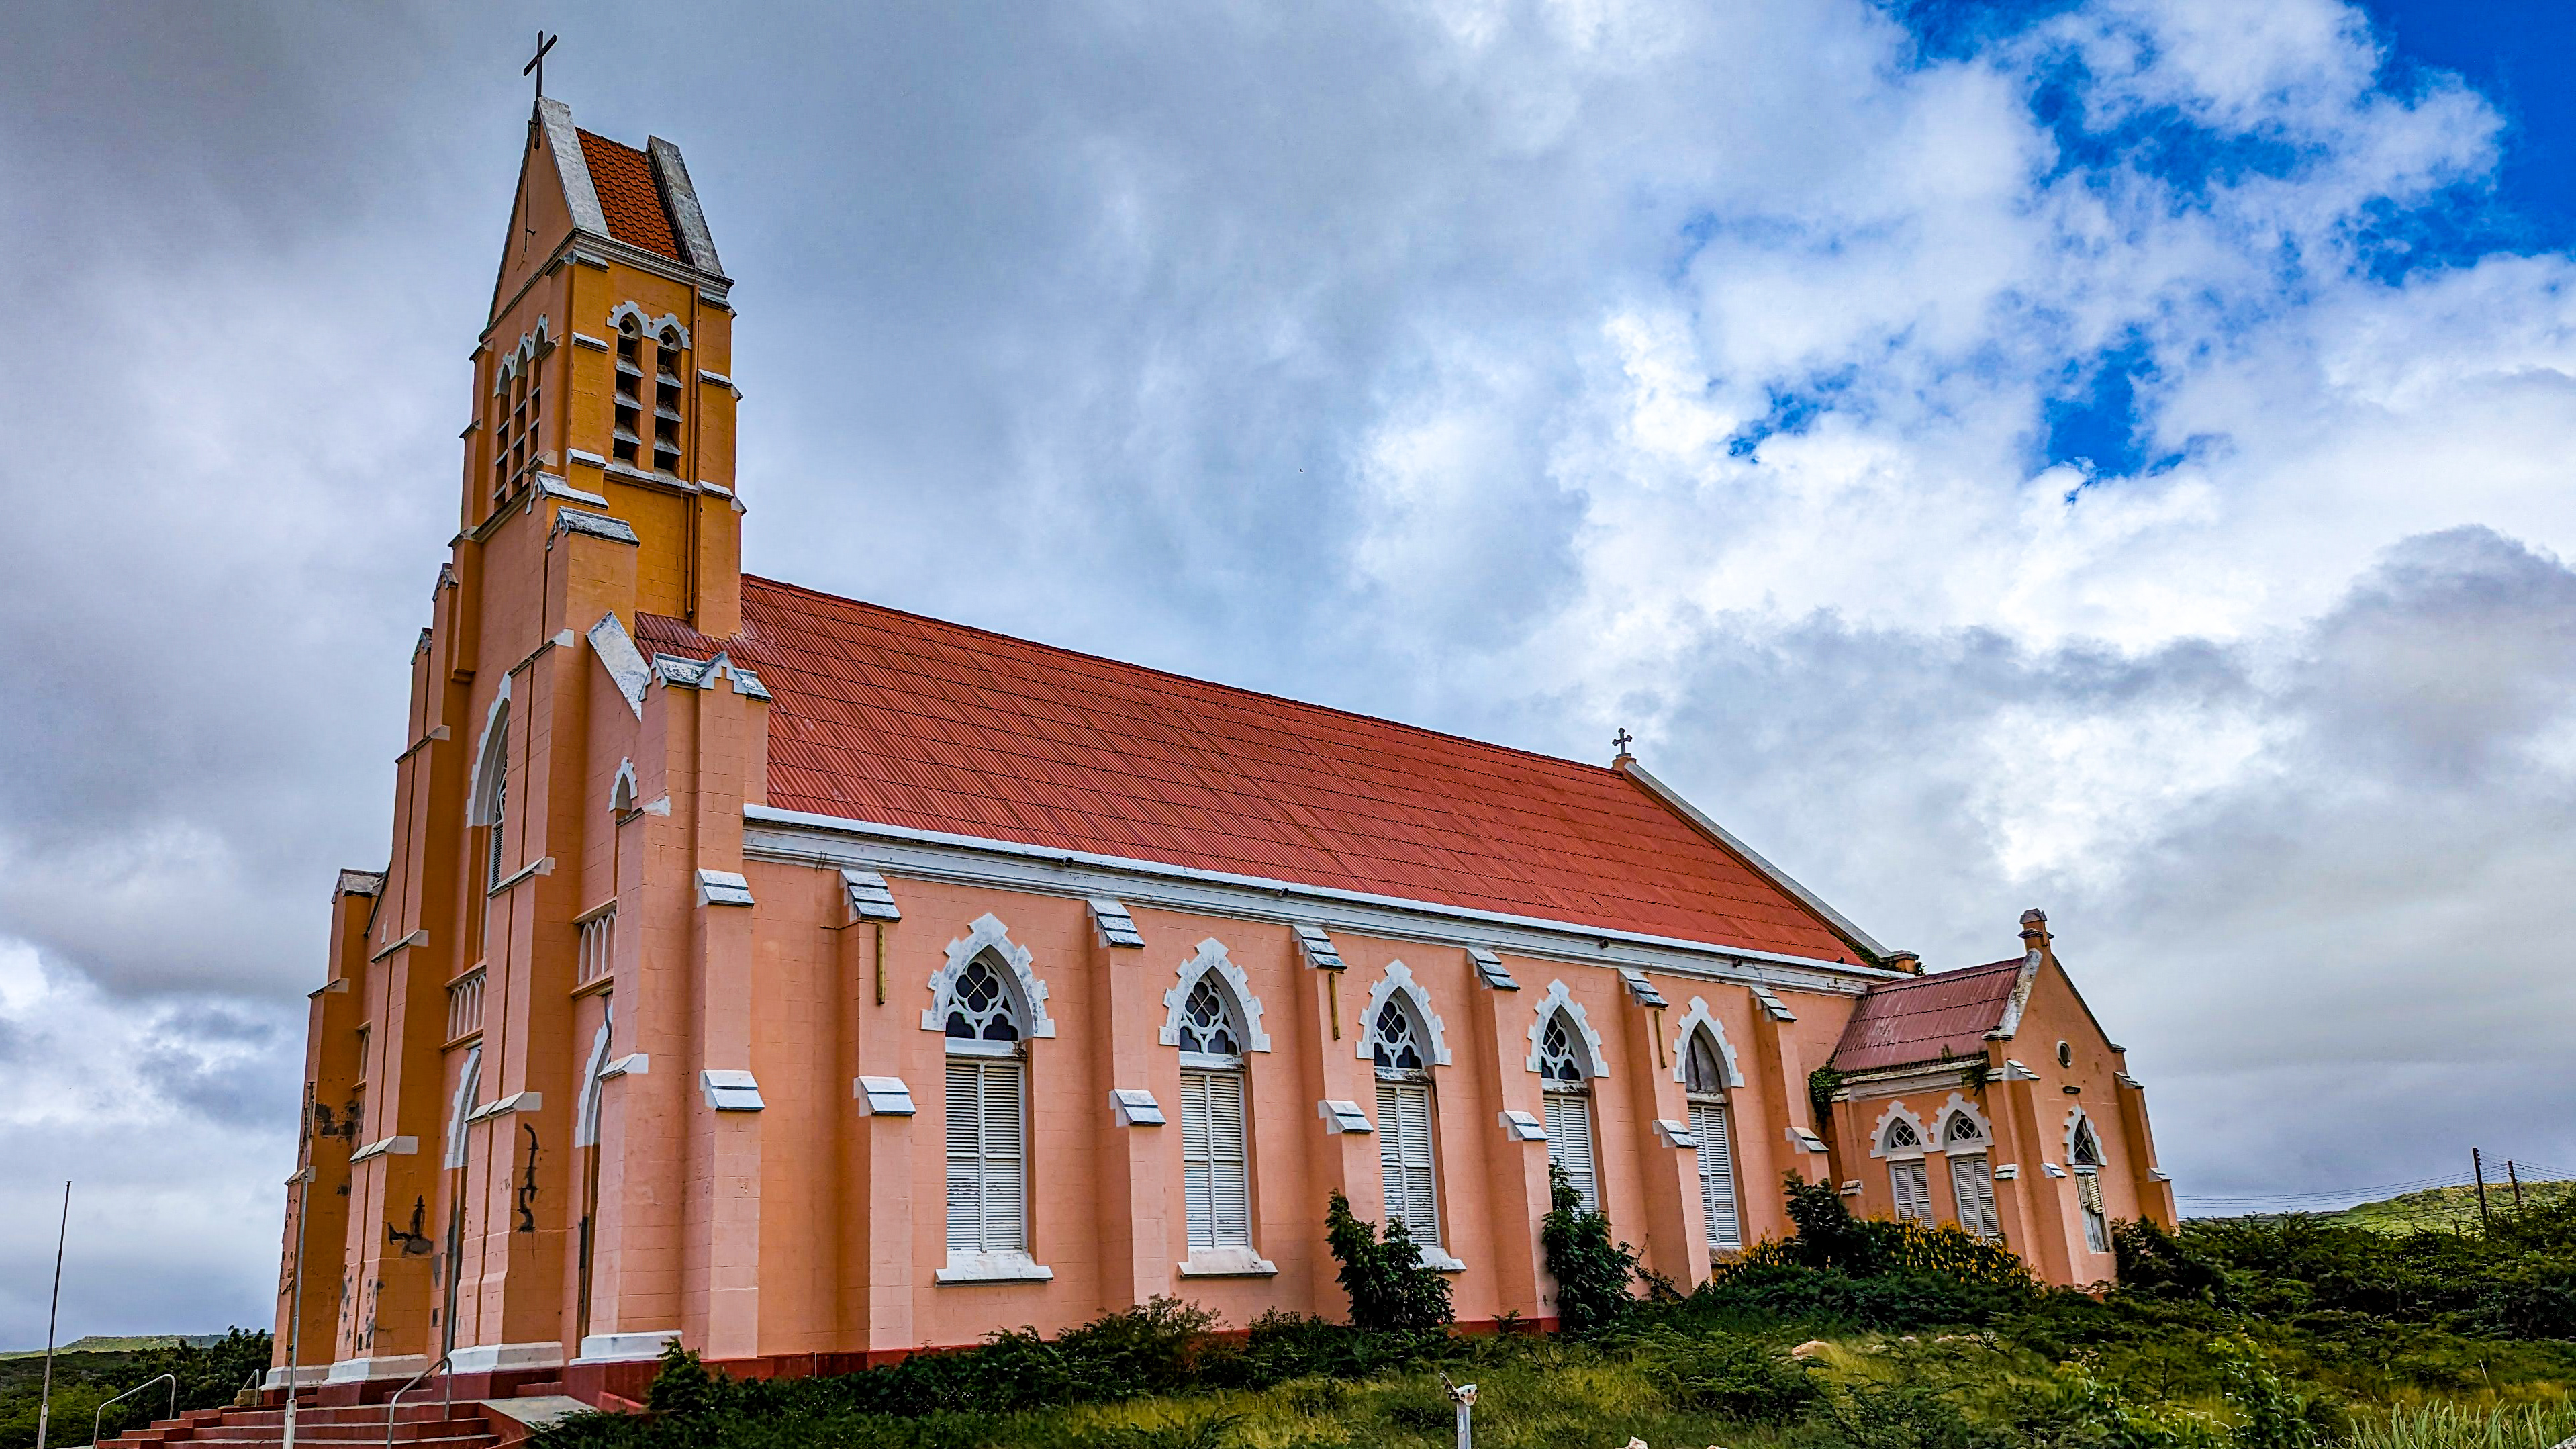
x=45 y=1399
x=1464 y=1396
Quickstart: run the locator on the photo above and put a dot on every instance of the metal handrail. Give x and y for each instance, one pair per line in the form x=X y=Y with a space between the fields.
x=393 y=1403
x=101 y=1416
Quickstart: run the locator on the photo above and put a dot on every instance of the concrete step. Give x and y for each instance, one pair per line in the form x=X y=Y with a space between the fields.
x=346 y=1440
x=425 y=1409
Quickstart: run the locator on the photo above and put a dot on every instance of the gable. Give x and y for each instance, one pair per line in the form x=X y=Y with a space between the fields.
x=892 y=718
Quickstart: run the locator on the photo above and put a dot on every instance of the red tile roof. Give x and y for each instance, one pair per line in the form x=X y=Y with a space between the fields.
x=623 y=177
x=1947 y=1013
x=889 y=717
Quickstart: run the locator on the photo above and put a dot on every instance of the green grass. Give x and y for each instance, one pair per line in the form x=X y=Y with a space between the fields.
x=2276 y=1333
x=2445 y=1209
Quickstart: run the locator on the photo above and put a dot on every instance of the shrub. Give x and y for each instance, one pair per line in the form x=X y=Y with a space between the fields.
x=684 y=1387
x=1592 y=1272
x=1390 y=1289
x=1738 y=1377
x=1904 y=1416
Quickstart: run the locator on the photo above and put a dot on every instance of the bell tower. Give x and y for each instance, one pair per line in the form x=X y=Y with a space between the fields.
x=602 y=380
x=454 y=1151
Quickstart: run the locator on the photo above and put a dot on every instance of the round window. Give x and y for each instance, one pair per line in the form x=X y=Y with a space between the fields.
x=2065 y=1055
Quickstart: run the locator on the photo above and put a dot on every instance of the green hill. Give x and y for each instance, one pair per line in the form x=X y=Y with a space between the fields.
x=2451 y=1208
x=124 y=1343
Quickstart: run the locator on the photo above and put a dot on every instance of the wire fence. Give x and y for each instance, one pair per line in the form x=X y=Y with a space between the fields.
x=2434 y=1212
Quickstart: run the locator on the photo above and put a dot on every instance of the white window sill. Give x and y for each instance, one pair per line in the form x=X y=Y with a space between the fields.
x=993 y=1268
x=1439 y=1261
x=1227 y=1263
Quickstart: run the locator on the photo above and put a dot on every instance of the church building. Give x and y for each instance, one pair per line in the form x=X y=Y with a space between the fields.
x=813 y=982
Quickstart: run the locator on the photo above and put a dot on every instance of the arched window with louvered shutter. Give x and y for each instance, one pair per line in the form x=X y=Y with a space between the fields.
x=1567 y=1094
x=1216 y=1149
x=1704 y=1085
x=2085 y=1153
x=1972 y=1176
x=1907 y=1178
x=1406 y=1118
x=987 y=1111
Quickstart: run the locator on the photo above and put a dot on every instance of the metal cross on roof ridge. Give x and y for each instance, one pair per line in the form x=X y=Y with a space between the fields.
x=537 y=63
x=1623 y=739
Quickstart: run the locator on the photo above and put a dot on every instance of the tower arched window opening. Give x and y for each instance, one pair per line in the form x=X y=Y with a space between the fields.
x=626 y=439
x=669 y=371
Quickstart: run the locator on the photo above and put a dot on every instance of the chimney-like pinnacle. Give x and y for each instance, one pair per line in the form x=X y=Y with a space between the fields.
x=2034 y=930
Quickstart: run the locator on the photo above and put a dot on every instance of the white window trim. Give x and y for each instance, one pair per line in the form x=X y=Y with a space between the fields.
x=2076 y=1117
x=1398 y=977
x=1586 y=1040
x=1012 y=1266
x=1698 y=1016
x=988 y=934
x=1211 y=958
x=487 y=755
x=585 y=1128
x=1960 y=1106
x=1898 y=1111
x=469 y=1085
x=1226 y=1263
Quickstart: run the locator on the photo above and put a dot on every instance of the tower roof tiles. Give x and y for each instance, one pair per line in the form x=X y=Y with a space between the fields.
x=629 y=196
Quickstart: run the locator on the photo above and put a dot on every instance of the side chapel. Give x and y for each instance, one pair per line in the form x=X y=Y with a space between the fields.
x=813 y=982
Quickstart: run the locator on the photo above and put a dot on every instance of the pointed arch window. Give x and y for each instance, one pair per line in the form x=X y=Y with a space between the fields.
x=1566 y=1094
x=981 y=1009
x=1405 y=1110
x=498 y=820
x=1907 y=1177
x=1704 y=1085
x=1216 y=1156
x=2086 y=1155
x=987 y=1112
x=1207 y=1022
x=1395 y=1040
x=1972 y=1177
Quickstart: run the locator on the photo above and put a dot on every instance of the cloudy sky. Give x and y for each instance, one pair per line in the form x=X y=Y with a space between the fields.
x=2108 y=456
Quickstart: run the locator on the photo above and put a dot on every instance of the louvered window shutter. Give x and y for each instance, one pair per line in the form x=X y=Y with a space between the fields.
x=1716 y=1175
x=1216 y=1169
x=1972 y=1182
x=1569 y=1145
x=2088 y=1193
x=1913 y=1191
x=965 y=1157
x=987 y=1158
x=1404 y=1157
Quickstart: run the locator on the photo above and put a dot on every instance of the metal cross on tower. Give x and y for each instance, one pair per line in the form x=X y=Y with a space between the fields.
x=536 y=65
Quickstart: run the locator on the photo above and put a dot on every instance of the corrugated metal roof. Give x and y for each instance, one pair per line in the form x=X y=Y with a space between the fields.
x=1921 y=1020
x=889 y=717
